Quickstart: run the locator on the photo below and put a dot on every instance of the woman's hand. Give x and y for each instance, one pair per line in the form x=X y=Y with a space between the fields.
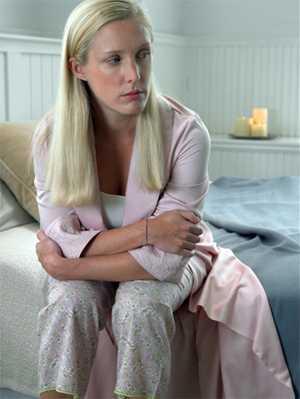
x=71 y=224
x=175 y=232
x=50 y=255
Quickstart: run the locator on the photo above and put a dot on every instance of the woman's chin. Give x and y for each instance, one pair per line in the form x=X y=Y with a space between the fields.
x=135 y=108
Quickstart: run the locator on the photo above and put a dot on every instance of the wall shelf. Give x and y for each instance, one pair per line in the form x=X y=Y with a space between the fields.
x=280 y=144
x=254 y=158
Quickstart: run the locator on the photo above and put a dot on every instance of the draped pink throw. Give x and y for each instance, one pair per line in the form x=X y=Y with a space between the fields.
x=226 y=344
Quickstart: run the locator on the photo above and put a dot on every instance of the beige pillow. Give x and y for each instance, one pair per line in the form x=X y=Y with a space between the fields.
x=16 y=168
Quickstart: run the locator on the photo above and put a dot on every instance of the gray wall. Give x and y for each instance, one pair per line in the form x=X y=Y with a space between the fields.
x=210 y=18
x=35 y=17
x=248 y=19
x=226 y=18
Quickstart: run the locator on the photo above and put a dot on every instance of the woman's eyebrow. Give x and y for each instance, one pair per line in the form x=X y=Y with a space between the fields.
x=122 y=51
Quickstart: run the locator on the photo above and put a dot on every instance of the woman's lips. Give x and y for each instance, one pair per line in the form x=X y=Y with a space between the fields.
x=135 y=95
x=134 y=92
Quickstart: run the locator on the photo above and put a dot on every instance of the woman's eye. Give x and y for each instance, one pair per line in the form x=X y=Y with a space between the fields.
x=114 y=60
x=143 y=54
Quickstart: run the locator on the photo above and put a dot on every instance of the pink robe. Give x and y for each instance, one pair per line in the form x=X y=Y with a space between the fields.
x=226 y=344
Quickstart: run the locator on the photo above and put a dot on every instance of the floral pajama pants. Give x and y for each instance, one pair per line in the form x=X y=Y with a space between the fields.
x=143 y=326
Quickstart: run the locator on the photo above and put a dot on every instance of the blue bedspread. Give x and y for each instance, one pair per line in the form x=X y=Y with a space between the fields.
x=259 y=220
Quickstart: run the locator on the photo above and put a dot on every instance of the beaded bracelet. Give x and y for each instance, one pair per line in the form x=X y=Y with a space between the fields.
x=146 y=233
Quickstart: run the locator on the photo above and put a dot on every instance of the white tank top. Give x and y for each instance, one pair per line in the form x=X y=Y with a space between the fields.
x=113 y=209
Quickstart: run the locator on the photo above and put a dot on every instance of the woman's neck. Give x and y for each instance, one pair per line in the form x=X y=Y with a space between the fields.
x=113 y=125
x=117 y=128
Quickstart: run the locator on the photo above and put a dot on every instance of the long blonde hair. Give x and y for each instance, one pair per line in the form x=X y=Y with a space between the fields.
x=71 y=168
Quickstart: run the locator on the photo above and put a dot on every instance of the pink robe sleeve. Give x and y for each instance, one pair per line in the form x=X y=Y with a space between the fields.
x=185 y=190
x=53 y=218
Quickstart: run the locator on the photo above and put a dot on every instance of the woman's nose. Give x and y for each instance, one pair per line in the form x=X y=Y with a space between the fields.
x=133 y=72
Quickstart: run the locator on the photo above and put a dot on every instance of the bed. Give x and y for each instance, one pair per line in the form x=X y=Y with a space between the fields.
x=257 y=218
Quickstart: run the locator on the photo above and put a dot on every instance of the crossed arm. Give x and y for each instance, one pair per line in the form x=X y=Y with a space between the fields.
x=106 y=256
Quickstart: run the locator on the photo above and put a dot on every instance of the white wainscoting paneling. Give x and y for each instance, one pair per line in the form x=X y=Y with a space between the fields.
x=234 y=77
x=30 y=76
x=254 y=158
x=43 y=73
x=170 y=66
x=32 y=81
x=175 y=67
x=2 y=87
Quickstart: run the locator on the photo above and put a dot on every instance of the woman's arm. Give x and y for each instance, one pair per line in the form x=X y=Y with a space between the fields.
x=173 y=232
x=118 y=240
x=118 y=267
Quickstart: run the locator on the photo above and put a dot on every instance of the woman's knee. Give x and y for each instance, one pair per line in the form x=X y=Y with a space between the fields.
x=78 y=294
x=141 y=312
x=82 y=300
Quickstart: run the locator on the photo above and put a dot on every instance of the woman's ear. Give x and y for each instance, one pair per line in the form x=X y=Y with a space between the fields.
x=77 y=69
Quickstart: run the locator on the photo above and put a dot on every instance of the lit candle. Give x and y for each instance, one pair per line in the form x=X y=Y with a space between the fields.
x=259 y=122
x=260 y=115
x=241 y=127
x=259 y=130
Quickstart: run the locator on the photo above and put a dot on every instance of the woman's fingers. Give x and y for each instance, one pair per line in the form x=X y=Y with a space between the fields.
x=195 y=230
x=191 y=229
x=41 y=235
x=188 y=245
x=186 y=252
x=190 y=216
x=71 y=224
x=193 y=238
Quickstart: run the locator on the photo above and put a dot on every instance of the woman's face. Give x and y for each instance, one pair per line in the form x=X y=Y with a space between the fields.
x=119 y=62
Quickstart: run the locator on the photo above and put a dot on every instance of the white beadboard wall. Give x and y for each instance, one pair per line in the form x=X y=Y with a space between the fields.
x=220 y=80
x=233 y=78
x=29 y=76
x=3 y=91
x=254 y=158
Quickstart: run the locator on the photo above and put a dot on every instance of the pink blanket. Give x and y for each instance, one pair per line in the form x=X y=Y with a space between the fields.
x=226 y=344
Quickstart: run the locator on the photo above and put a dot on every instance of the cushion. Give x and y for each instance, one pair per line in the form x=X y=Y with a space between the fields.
x=11 y=212
x=22 y=281
x=16 y=168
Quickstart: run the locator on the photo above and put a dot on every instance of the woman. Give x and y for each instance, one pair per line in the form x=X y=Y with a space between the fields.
x=109 y=115
x=121 y=174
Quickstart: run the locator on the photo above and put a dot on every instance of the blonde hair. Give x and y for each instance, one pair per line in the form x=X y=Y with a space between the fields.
x=71 y=167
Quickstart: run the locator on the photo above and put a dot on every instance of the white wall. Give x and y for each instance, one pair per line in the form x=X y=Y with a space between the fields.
x=245 y=19
x=225 y=18
x=210 y=18
x=35 y=17
x=165 y=15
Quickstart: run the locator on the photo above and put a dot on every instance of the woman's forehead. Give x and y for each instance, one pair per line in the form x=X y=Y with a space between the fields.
x=118 y=36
